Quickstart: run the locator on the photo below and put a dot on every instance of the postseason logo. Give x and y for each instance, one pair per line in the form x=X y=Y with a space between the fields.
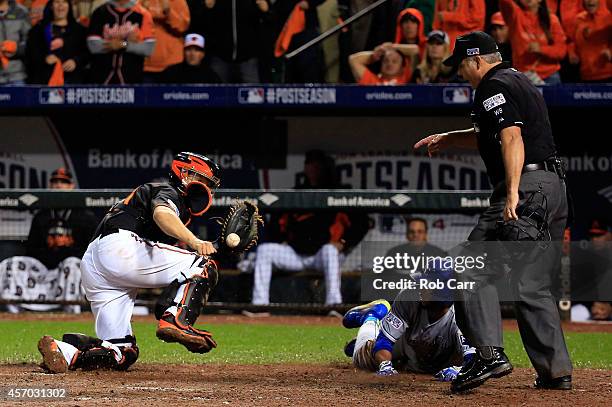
x=493 y=101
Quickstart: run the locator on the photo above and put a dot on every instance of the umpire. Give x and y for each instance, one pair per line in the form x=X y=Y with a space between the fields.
x=512 y=132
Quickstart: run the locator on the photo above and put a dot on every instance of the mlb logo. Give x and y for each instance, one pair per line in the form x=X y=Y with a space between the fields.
x=473 y=51
x=51 y=96
x=251 y=95
x=456 y=95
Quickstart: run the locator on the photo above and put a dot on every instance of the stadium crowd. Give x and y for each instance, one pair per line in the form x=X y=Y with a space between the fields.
x=58 y=42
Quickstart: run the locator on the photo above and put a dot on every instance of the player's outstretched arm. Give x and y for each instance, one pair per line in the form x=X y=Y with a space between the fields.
x=171 y=225
x=458 y=138
x=382 y=355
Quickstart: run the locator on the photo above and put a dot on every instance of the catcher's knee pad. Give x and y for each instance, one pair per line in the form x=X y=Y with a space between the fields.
x=116 y=354
x=195 y=292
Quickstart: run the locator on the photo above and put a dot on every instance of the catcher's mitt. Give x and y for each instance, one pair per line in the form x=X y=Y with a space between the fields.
x=242 y=219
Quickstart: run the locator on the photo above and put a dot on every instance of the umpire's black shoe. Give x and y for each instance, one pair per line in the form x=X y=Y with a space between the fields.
x=488 y=362
x=560 y=383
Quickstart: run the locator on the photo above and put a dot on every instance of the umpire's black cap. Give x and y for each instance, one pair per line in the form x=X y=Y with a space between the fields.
x=468 y=45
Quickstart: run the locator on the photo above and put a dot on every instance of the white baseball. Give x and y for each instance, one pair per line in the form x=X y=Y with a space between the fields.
x=232 y=240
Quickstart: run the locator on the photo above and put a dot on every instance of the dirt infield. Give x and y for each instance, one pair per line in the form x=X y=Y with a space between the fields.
x=289 y=385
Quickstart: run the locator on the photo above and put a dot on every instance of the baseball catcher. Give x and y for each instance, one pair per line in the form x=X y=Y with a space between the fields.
x=133 y=248
x=418 y=333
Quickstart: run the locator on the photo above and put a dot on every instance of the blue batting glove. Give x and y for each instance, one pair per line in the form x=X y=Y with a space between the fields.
x=448 y=374
x=386 y=369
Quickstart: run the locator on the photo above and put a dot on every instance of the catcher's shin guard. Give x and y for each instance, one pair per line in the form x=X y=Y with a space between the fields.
x=94 y=353
x=190 y=296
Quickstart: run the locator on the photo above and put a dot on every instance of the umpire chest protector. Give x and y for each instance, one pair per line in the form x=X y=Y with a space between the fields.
x=506 y=98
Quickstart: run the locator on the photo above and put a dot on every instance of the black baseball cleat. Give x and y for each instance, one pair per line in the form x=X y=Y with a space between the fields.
x=195 y=340
x=488 y=362
x=560 y=383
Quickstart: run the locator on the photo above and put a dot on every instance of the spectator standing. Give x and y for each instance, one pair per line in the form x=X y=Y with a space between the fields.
x=393 y=61
x=592 y=42
x=458 y=17
x=537 y=38
x=308 y=66
x=431 y=69
x=120 y=37
x=568 y=11
x=14 y=27
x=56 y=52
x=499 y=31
x=233 y=37
x=194 y=68
x=170 y=22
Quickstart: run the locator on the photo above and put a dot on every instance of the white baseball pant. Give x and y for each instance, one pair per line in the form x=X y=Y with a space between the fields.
x=284 y=257
x=116 y=266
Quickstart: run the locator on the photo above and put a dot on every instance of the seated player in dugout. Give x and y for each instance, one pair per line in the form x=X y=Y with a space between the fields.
x=50 y=270
x=56 y=234
x=417 y=334
x=301 y=240
x=417 y=240
x=133 y=248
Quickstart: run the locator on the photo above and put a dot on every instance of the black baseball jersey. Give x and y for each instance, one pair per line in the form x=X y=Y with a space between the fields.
x=505 y=98
x=135 y=213
x=111 y=23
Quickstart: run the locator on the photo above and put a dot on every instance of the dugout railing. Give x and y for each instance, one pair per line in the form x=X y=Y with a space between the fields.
x=390 y=202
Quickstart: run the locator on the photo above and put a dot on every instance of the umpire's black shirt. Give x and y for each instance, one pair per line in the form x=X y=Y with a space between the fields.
x=504 y=98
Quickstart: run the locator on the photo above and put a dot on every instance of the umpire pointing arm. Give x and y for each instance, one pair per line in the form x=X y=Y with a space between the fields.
x=512 y=132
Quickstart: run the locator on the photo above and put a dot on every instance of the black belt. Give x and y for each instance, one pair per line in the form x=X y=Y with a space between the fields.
x=538 y=166
x=551 y=165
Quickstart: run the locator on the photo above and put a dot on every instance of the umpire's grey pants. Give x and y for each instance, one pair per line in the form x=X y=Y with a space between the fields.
x=478 y=312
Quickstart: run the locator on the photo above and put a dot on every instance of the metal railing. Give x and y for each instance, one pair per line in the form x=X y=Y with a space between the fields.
x=335 y=29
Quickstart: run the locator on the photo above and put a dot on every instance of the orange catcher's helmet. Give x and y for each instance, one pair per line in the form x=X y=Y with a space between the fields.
x=195 y=176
